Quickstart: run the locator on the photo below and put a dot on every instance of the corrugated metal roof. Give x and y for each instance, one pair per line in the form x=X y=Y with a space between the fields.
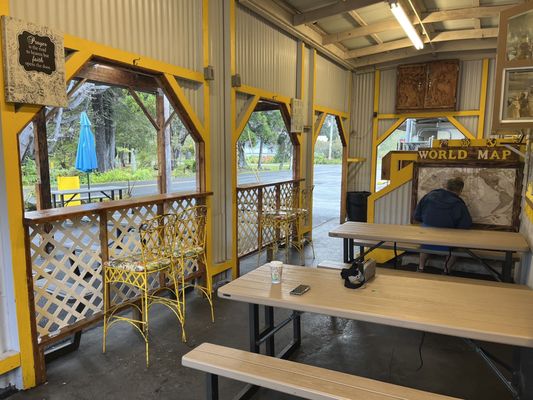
x=380 y=12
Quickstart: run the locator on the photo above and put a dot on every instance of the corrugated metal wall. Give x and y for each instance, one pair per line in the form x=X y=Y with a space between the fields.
x=469 y=123
x=166 y=30
x=361 y=130
x=387 y=91
x=220 y=143
x=394 y=207
x=332 y=85
x=469 y=85
x=265 y=56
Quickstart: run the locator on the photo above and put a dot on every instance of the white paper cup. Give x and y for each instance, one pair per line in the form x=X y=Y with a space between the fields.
x=276 y=270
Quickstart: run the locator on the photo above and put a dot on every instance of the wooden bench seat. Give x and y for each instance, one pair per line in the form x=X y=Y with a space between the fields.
x=293 y=378
x=483 y=254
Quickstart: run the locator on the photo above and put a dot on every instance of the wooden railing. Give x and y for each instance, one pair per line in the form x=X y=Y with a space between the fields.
x=252 y=200
x=66 y=248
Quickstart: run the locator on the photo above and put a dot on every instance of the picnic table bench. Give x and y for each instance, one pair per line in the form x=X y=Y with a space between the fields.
x=291 y=377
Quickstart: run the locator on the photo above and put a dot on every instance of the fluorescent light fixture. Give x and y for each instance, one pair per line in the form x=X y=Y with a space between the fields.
x=406 y=24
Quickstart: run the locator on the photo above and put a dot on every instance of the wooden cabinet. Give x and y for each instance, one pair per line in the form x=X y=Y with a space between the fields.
x=411 y=87
x=428 y=86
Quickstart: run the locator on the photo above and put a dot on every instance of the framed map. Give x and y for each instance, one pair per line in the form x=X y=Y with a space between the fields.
x=491 y=193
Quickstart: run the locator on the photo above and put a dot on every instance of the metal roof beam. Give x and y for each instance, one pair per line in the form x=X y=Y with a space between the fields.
x=443 y=47
x=439 y=37
x=334 y=9
x=437 y=16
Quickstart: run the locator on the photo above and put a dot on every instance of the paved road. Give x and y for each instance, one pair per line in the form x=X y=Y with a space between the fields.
x=326 y=196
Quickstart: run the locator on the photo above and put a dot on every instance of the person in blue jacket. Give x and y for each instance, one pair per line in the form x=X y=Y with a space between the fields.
x=443 y=208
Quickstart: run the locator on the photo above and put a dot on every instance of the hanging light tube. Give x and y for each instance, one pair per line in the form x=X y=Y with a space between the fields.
x=406 y=24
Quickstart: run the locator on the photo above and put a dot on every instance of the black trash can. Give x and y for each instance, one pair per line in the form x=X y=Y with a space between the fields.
x=356 y=203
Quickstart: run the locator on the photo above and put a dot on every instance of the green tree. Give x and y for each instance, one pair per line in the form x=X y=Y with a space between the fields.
x=133 y=129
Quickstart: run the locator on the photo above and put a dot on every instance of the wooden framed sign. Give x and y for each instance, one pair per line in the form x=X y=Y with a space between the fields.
x=34 y=64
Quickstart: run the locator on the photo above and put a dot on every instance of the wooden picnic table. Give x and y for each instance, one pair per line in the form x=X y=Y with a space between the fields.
x=101 y=192
x=506 y=242
x=466 y=308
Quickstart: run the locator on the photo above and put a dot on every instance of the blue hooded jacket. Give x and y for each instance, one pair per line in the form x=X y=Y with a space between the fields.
x=443 y=209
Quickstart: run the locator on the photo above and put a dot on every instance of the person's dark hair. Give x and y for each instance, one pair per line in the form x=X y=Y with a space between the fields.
x=455 y=185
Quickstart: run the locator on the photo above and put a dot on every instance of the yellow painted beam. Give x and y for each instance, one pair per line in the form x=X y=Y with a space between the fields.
x=245 y=118
x=265 y=94
x=233 y=116
x=483 y=99
x=377 y=80
x=461 y=128
x=389 y=131
x=103 y=52
x=432 y=114
x=331 y=111
x=178 y=91
x=9 y=361
x=318 y=126
x=401 y=178
x=221 y=267
x=15 y=208
x=356 y=160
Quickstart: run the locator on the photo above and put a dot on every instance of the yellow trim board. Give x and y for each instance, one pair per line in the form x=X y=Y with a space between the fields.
x=431 y=114
x=9 y=361
x=265 y=94
x=483 y=98
x=356 y=160
x=331 y=111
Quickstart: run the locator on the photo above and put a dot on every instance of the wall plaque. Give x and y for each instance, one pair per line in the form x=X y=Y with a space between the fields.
x=297 y=115
x=34 y=64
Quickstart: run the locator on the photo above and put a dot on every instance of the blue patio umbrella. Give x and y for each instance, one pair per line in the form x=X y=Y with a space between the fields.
x=86 y=154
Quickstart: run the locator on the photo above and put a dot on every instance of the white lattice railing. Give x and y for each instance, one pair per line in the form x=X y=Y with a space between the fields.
x=66 y=249
x=252 y=200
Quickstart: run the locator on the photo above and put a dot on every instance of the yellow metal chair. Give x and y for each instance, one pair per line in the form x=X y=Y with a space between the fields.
x=281 y=222
x=190 y=254
x=302 y=213
x=157 y=237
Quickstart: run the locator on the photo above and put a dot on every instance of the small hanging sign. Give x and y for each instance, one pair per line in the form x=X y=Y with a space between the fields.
x=34 y=64
x=297 y=115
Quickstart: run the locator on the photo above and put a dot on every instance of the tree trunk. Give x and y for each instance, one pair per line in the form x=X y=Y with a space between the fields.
x=259 y=161
x=26 y=148
x=241 y=157
x=104 y=130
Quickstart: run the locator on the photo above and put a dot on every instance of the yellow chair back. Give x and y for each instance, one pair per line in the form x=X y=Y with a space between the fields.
x=69 y=183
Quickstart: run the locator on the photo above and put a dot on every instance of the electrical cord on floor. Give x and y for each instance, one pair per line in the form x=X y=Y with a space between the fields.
x=420 y=351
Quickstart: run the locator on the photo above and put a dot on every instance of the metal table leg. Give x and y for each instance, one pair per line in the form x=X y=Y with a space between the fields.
x=508 y=267
x=266 y=336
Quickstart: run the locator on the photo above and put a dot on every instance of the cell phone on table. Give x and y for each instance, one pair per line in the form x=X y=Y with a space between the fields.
x=299 y=290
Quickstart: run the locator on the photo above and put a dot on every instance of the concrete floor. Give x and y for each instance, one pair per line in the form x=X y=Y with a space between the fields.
x=379 y=352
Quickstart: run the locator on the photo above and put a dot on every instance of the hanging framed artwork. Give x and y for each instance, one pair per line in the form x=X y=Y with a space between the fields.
x=513 y=100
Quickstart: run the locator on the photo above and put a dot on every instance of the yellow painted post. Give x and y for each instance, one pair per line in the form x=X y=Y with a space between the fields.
x=15 y=209
x=233 y=116
x=483 y=99
x=374 y=138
